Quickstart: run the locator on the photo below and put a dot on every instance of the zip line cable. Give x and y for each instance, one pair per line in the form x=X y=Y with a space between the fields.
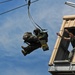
x=32 y=20
x=15 y=8
x=5 y=1
x=30 y=17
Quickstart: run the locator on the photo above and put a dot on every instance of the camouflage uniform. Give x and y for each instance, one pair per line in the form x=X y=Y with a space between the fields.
x=43 y=38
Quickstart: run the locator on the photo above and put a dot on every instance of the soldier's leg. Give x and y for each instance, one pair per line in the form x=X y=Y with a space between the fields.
x=30 y=48
x=24 y=52
x=71 y=54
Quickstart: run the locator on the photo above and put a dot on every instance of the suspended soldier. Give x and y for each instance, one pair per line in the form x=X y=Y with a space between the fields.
x=36 y=41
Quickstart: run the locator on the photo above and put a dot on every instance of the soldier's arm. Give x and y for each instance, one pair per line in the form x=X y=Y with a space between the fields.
x=43 y=35
x=69 y=33
x=65 y=38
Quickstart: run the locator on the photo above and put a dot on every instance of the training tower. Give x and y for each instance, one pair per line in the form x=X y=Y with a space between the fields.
x=59 y=64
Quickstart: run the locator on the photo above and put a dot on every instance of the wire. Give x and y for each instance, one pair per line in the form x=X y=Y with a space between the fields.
x=15 y=8
x=5 y=1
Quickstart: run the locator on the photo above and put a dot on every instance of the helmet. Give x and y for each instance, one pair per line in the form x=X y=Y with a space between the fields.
x=36 y=31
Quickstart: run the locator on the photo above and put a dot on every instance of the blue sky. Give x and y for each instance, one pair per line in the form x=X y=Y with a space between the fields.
x=48 y=14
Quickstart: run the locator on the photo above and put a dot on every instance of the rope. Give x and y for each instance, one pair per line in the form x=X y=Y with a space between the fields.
x=32 y=20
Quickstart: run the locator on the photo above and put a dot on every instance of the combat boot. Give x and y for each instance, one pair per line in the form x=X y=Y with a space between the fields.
x=24 y=52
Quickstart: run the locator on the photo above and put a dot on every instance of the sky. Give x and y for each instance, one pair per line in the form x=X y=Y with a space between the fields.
x=46 y=13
